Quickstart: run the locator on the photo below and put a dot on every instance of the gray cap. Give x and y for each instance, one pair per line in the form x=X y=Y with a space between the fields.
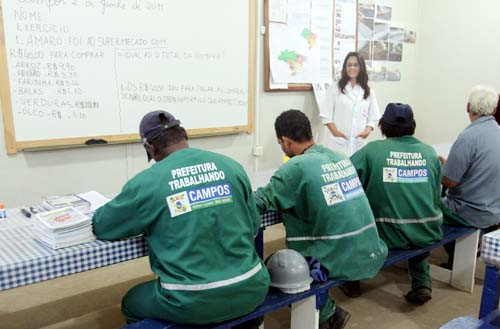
x=153 y=124
x=289 y=271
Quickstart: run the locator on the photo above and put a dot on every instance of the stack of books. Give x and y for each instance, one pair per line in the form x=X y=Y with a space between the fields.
x=63 y=227
x=67 y=200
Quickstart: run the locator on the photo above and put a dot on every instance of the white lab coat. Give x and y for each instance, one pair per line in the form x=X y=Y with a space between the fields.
x=351 y=113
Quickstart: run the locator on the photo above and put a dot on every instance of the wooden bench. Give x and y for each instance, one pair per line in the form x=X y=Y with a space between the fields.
x=306 y=305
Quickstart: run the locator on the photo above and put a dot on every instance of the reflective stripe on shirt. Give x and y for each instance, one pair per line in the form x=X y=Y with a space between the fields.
x=212 y=285
x=409 y=221
x=331 y=237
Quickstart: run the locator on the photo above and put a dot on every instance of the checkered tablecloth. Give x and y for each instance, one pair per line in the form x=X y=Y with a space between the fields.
x=23 y=260
x=490 y=248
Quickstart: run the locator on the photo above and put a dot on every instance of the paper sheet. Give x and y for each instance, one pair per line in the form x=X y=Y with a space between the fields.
x=322 y=23
x=95 y=198
x=278 y=11
x=299 y=13
x=345 y=32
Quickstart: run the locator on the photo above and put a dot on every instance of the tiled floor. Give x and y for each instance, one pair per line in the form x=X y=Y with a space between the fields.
x=91 y=299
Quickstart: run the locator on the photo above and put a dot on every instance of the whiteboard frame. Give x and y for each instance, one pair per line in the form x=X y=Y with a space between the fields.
x=13 y=146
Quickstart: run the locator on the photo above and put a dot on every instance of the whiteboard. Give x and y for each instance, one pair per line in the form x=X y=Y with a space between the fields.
x=80 y=69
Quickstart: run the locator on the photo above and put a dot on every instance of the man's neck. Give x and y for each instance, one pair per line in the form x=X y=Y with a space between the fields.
x=474 y=117
x=301 y=148
x=172 y=148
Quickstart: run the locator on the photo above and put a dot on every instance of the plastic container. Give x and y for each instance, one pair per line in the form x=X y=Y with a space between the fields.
x=3 y=211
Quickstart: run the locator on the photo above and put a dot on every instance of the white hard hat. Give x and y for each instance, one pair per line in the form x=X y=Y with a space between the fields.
x=289 y=271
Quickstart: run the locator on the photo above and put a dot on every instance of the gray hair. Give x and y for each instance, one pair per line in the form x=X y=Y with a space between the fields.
x=483 y=100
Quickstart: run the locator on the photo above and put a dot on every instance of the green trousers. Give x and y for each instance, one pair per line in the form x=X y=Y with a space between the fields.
x=149 y=300
x=143 y=302
x=420 y=271
x=327 y=310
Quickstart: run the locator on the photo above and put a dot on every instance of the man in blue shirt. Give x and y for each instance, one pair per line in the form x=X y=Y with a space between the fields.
x=472 y=171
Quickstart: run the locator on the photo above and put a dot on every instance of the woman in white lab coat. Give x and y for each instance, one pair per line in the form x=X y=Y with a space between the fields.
x=350 y=110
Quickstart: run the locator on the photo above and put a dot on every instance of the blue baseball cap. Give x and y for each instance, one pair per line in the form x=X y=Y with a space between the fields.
x=397 y=114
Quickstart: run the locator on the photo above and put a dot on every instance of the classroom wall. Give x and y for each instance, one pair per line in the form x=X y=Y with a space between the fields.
x=457 y=48
x=27 y=176
x=272 y=103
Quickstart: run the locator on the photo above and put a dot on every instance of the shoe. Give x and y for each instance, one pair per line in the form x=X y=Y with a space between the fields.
x=337 y=321
x=419 y=296
x=351 y=289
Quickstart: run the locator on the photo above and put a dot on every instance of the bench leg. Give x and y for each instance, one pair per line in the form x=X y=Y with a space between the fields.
x=491 y=291
x=464 y=263
x=304 y=314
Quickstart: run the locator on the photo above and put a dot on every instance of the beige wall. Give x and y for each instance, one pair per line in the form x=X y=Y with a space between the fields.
x=458 y=47
x=27 y=176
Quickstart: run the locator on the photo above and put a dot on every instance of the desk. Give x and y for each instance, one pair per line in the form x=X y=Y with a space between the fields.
x=490 y=254
x=23 y=260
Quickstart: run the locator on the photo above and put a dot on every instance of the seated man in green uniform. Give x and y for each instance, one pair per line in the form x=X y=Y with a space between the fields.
x=325 y=211
x=402 y=180
x=197 y=212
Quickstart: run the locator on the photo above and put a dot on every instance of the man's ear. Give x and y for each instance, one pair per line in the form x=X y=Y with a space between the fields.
x=154 y=151
x=468 y=107
x=286 y=141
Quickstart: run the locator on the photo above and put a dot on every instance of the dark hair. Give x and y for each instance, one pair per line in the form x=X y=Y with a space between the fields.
x=293 y=124
x=389 y=130
x=362 y=78
x=169 y=137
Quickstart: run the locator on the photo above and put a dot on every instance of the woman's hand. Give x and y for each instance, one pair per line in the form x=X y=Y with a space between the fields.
x=335 y=132
x=338 y=133
x=365 y=132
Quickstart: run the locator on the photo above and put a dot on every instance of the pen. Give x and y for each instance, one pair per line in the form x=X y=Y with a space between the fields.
x=25 y=212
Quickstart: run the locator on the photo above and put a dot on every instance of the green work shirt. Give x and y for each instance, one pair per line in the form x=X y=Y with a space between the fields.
x=326 y=213
x=402 y=180
x=197 y=211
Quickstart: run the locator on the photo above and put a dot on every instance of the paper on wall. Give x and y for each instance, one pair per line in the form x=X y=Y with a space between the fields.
x=278 y=11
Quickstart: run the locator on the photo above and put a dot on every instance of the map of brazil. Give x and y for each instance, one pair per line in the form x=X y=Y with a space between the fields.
x=299 y=52
x=295 y=60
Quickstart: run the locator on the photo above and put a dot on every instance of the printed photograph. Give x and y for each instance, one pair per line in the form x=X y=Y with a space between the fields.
x=384 y=13
x=378 y=71
x=365 y=49
x=368 y=68
x=367 y=10
x=393 y=72
x=380 y=50
x=397 y=34
x=395 y=52
x=381 y=31
x=410 y=36
x=365 y=28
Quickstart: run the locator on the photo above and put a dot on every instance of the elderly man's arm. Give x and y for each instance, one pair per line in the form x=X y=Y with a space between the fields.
x=448 y=182
x=458 y=162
